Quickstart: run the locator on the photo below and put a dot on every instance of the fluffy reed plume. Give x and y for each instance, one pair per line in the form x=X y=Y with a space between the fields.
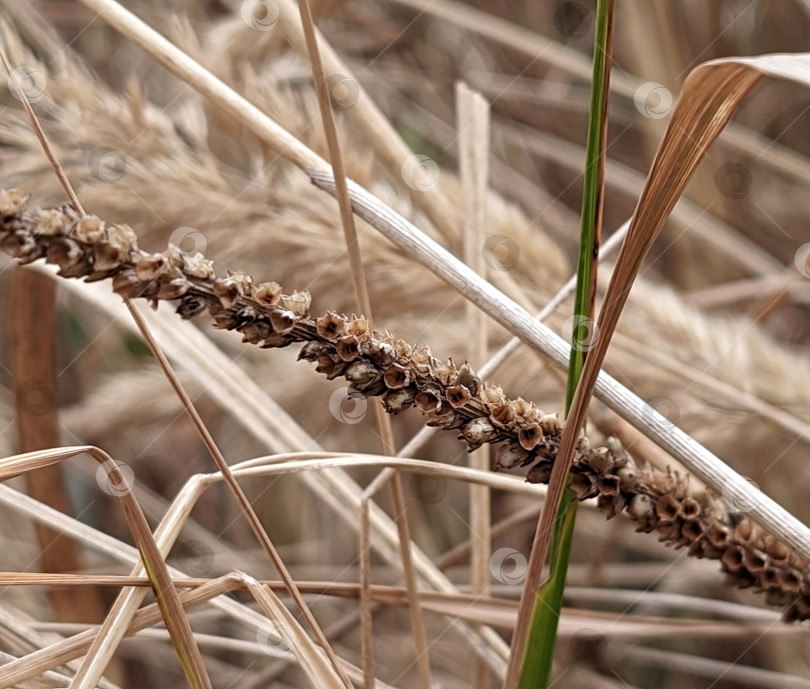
x=404 y=376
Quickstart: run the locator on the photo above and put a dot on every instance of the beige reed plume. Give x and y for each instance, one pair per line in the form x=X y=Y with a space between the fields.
x=404 y=375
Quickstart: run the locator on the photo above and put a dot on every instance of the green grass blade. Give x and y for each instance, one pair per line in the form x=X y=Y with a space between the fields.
x=539 y=655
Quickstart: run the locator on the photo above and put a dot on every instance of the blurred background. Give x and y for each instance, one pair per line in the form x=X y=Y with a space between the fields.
x=714 y=337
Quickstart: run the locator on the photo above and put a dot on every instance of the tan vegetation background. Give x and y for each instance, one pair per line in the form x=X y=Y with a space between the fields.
x=715 y=335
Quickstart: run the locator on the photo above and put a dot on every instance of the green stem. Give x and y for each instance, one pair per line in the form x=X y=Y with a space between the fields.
x=539 y=655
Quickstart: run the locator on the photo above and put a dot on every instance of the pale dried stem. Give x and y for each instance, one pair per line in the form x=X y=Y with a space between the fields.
x=244 y=504
x=371 y=121
x=691 y=454
x=472 y=117
x=151 y=558
x=415 y=444
x=266 y=421
x=361 y=293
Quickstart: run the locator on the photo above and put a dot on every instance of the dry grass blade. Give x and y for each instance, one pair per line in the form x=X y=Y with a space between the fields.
x=473 y=120
x=262 y=418
x=62 y=652
x=709 y=98
x=165 y=593
x=363 y=301
x=242 y=499
x=388 y=144
x=293 y=638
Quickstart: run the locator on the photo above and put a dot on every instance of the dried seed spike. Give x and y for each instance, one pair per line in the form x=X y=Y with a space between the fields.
x=298 y=302
x=397 y=376
x=267 y=293
x=530 y=436
x=12 y=203
x=84 y=247
x=330 y=325
x=667 y=508
x=458 y=396
x=282 y=321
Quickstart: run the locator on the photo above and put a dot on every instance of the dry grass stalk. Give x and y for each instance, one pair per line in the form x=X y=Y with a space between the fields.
x=263 y=419
x=364 y=306
x=452 y=397
x=113 y=627
x=153 y=565
x=473 y=124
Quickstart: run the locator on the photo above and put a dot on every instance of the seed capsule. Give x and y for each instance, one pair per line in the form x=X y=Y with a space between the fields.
x=510 y=455
x=479 y=431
